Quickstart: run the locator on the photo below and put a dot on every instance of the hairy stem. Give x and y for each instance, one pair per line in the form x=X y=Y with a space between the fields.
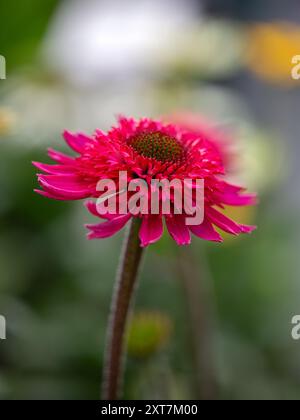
x=125 y=285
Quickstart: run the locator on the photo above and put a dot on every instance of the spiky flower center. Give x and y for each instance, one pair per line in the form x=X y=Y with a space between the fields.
x=158 y=146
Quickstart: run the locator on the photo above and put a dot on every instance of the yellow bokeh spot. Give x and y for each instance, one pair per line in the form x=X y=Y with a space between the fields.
x=270 y=49
x=7 y=120
x=148 y=333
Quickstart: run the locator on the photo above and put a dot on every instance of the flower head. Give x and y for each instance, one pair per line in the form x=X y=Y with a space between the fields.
x=145 y=150
x=149 y=332
x=219 y=138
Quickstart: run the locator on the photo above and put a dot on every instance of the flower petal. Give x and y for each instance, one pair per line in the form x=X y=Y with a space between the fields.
x=54 y=169
x=60 y=157
x=233 y=199
x=48 y=195
x=206 y=231
x=77 y=141
x=109 y=228
x=66 y=187
x=92 y=208
x=247 y=228
x=226 y=224
x=151 y=230
x=178 y=229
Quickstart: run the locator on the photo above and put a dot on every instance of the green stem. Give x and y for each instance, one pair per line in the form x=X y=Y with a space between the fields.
x=196 y=286
x=125 y=285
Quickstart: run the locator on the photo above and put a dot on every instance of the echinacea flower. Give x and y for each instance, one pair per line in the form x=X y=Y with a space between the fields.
x=145 y=149
x=149 y=332
x=219 y=138
x=150 y=151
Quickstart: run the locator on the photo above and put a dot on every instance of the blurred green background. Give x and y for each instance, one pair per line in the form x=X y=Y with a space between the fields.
x=77 y=64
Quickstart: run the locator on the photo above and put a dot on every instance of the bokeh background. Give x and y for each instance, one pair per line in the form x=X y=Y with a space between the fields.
x=213 y=322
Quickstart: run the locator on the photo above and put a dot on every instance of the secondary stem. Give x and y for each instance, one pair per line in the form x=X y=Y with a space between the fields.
x=199 y=299
x=120 y=309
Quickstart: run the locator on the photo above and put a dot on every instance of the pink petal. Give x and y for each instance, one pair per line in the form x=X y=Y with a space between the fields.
x=60 y=157
x=206 y=231
x=226 y=224
x=233 y=199
x=109 y=228
x=54 y=169
x=92 y=208
x=66 y=187
x=78 y=141
x=247 y=228
x=48 y=195
x=231 y=188
x=178 y=229
x=151 y=230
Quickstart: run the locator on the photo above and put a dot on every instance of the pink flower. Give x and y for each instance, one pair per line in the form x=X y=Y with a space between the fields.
x=147 y=150
x=223 y=141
